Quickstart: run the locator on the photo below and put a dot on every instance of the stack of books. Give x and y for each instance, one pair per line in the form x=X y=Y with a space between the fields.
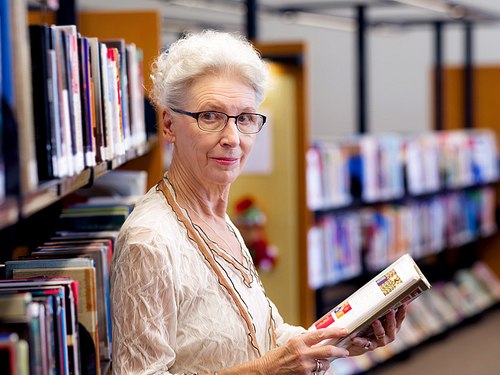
x=70 y=102
x=59 y=295
x=88 y=99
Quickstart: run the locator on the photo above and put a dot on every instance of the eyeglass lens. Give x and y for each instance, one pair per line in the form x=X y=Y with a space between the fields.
x=214 y=121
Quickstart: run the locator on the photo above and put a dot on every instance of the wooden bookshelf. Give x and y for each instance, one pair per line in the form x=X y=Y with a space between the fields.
x=144 y=29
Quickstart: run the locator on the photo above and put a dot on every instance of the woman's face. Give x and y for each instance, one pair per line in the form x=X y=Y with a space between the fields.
x=213 y=158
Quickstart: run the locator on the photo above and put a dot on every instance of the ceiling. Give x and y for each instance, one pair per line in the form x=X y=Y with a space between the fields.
x=230 y=15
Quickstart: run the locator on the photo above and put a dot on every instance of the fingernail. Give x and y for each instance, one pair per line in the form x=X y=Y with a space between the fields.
x=343 y=331
x=346 y=353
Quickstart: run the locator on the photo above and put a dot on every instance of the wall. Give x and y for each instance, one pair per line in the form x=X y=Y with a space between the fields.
x=399 y=66
x=276 y=194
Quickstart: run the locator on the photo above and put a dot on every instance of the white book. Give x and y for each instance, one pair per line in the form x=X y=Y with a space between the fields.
x=67 y=132
x=58 y=161
x=108 y=118
x=79 y=160
x=399 y=283
x=118 y=138
x=96 y=82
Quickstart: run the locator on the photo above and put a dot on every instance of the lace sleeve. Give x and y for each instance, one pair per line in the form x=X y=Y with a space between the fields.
x=144 y=307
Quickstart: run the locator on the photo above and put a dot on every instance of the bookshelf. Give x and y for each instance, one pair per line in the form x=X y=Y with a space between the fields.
x=30 y=209
x=454 y=210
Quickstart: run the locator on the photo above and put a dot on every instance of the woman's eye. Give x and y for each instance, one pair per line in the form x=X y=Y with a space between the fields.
x=244 y=119
x=209 y=116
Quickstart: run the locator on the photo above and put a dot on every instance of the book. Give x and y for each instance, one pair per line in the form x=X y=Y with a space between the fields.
x=86 y=102
x=398 y=284
x=20 y=315
x=119 y=47
x=96 y=99
x=73 y=76
x=44 y=141
x=12 y=265
x=87 y=306
x=98 y=252
x=65 y=294
x=23 y=109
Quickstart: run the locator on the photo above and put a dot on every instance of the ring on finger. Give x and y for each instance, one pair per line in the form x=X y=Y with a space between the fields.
x=381 y=337
x=368 y=345
x=319 y=366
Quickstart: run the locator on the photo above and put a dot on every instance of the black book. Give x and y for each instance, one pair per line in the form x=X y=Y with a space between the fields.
x=39 y=36
x=83 y=55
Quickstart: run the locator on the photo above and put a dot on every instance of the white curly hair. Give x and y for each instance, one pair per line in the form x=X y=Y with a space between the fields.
x=209 y=53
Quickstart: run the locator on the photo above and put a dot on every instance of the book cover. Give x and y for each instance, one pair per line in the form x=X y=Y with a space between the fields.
x=39 y=36
x=99 y=255
x=65 y=301
x=12 y=265
x=9 y=353
x=60 y=163
x=73 y=76
x=399 y=283
x=19 y=315
x=87 y=126
x=123 y=86
x=96 y=92
x=58 y=45
x=23 y=99
x=87 y=306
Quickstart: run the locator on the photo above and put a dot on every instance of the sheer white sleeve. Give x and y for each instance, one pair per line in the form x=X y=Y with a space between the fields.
x=283 y=330
x=143 y=306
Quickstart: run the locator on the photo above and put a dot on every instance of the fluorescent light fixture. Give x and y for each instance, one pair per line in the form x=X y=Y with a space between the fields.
x=319 y=20
x=238 y=9
x=437 y=6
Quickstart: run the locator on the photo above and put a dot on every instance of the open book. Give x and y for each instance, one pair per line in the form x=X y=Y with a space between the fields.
x=399 y=283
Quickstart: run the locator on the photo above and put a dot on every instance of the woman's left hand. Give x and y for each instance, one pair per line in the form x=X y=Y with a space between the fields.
x=383 y=334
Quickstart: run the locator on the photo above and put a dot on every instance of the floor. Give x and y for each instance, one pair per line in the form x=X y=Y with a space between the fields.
x=470 y=349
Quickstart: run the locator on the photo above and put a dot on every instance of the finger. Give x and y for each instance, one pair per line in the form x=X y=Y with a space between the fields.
x=320 y=365
x=328 y=351
x=362 y=345
x=390 y=325
x=317 y=336
x=378 y=331
x=401 y=315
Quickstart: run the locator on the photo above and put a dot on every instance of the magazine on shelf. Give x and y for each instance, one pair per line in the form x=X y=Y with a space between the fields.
x=398 y=284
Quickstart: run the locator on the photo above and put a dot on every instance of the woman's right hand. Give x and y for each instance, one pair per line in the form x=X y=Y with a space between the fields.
x=299 y=354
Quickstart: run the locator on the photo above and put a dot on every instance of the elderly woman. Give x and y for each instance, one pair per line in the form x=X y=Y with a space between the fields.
x=186 y=297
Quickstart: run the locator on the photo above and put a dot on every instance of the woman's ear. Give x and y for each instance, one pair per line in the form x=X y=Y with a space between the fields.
x=167 y=129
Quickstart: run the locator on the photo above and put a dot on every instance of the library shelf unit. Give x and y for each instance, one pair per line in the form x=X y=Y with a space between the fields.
x=29 y=216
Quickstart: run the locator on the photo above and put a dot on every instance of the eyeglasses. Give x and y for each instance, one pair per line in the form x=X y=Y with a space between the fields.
x=210 y=121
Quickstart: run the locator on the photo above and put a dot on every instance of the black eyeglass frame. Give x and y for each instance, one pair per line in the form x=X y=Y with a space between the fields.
x=196 y=115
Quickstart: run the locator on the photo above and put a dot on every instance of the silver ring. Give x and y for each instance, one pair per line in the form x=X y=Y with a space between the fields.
x=368 y=345
x=319 y=366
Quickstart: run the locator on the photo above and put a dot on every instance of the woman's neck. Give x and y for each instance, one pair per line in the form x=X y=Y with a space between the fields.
x=209 y=201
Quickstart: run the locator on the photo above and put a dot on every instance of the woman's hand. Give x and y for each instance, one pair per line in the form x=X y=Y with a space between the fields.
x=383 y=334
x=300 y=356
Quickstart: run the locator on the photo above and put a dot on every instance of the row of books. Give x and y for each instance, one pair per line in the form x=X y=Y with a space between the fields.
x=448 y=303
x=59 y=294
x=384 y=167
x=71 y=101
x=88 y=99
x=418 y=226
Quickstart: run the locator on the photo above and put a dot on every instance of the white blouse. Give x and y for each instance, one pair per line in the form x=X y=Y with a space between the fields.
x=173 y=310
